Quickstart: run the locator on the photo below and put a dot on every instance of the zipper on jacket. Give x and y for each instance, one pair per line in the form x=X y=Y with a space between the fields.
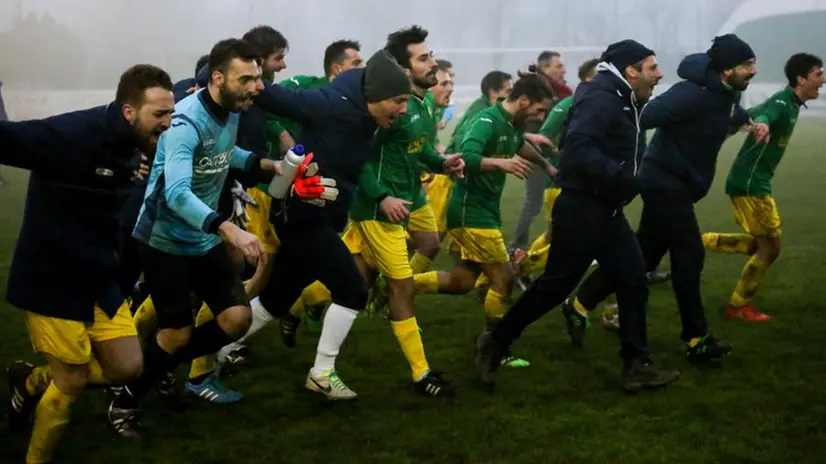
x=637 y=115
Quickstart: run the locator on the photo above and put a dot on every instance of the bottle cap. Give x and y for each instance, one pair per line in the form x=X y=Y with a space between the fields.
x=298 y=149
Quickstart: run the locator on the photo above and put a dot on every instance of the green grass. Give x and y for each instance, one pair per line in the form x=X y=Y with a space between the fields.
x=764 y=405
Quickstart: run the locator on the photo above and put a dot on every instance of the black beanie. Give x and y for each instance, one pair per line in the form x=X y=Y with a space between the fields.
x=625 y=53
x=384 y=78
x=728 y=51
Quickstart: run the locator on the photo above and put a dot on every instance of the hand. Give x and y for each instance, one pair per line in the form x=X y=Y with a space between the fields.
x=272 y=166
x=143 y=169
x=761 y=132
x=454 y=164
x=551 y=170
x=538 y=139
x=440 y=149
x=242 y=240
x=193 y=89
x=518 y=166
x=395 y=209
x=255 y=284
x=441 y=125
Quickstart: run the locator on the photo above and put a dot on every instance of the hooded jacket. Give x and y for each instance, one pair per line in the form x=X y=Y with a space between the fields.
x=337 y=128
x=602 y=143
x=693 y=119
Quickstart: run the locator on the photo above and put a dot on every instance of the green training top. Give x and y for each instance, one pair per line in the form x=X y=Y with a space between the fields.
x=753 y=168
x=395 y=161
x=474 y=202
x=462 y=125
x=552 y=128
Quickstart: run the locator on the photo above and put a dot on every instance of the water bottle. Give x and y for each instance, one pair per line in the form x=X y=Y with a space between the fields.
x=280 y=185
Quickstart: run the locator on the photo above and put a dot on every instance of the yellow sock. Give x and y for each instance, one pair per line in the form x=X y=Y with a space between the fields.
x=298 y=307
x=316 y=294
x=694 y=341
x=420 y=263
x=495 y=308
x=750 y=278
x=426 y=283
x=38 y=380
x=537 y=256
x=580 y=308
x=50 y=419
x=146 y=321
x=482 y=281
x=205 y=364
x=729 y=243
x=410 y=339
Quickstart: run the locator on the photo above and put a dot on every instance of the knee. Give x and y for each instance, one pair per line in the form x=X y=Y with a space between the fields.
x=174 y=339
x=236 y=321
x=400 y=288
x=127 y=368
x=430 y=246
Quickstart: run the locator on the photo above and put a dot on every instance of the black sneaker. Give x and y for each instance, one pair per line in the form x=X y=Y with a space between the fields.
x=643 y=374
x=171 y=396
x=289 y=327
x=488 y=358
x=708 y=349
x=20 y=403
x=658 y=277
x=576 y=322
x=434 y=385
x=124 y=421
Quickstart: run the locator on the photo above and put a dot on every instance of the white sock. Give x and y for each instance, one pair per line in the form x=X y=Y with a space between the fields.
x=337 y=323
x=260 y=318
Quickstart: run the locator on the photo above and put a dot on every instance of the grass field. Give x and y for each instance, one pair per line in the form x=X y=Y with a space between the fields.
x=764 y=405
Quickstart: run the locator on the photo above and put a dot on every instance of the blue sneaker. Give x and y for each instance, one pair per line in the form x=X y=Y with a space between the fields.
x=214 y=391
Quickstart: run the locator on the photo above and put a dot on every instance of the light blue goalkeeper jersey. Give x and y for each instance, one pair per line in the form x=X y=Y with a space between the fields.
x=188 y=175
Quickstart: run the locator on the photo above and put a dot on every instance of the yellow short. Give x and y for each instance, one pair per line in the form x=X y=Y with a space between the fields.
x=438 y=193
x=382 y=245
x=422 y=220
x=551 y=194
x=484 y=246
x=71 y=341
x=758 y=216
x=259 y=223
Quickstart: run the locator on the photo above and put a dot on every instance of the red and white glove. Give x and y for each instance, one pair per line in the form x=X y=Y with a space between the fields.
x=312 y=188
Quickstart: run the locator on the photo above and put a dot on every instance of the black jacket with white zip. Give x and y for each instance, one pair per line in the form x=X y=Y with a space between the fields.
x=602 y=144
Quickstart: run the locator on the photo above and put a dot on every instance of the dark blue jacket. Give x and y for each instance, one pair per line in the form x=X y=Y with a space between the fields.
x=81 y=167
x=693 y=119
x=337 y=128
x=180 y=88
x=602 y=142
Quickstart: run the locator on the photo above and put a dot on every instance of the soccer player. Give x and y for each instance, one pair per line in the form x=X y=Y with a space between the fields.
x=83 y=165
x=493 y=147
x=693 y=118
x=495 y=86
x=338 y=123
x=749 y=183
x=597 y=175
x=442 y=91
x=388 y=185
x=438 y=186
x=183 y=239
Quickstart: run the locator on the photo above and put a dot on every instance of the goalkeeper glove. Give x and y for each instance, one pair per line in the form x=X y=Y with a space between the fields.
x=312 y=188
x=240 y=200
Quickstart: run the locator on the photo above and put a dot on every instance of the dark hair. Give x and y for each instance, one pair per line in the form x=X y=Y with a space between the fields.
x=227 y=50
x=202 y=61
x=799 y=65
x=534 y=87
x=265 y=40
x=334 y=52
x=398 y=41
x=136 y=80
x=443 y=65
x=587 y=68
x=546 y=57
x=494 y=80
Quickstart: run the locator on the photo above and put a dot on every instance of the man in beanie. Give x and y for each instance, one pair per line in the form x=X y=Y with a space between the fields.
x=338 y=124
x=602 y=146
x=694 y=118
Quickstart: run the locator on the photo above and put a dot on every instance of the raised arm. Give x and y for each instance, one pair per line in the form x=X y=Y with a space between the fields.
x=302 y=106
x=179 y=144
x=44 y=144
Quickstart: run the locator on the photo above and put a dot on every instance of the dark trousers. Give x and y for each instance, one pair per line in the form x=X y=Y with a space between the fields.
x=312 y=251
x=586 y=228
x=668 y=224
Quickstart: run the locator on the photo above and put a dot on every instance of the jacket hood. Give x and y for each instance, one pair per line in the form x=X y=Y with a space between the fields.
x=696 y=68
x=609 y=78
x=350 y=84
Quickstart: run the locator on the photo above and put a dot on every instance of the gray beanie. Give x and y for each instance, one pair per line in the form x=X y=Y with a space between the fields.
x=384 y=78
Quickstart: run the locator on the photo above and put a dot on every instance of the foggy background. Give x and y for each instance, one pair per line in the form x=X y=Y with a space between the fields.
x=58 y=55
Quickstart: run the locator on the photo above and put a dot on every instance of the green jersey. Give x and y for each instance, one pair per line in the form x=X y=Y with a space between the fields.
x=461 y=126
x=552 y=128
x=300 y=82
x=393 y=166
x=474 y=202
x=753 y=168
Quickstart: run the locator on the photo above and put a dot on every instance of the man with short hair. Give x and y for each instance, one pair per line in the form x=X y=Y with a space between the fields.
x=749 y=183
x=82 y=167
x=495 y=86
x=597 y=174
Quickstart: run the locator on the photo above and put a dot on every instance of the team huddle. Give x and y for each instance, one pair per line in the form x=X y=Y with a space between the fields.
x=200 y=211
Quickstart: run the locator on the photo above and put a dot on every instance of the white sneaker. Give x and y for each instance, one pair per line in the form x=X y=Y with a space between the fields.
x=330 y=385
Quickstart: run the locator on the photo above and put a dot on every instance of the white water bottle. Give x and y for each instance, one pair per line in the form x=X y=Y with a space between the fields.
x=280 y=185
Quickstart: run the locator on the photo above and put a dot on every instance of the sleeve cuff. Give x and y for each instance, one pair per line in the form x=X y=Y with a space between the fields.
x=381 y=197
x=213 y=222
